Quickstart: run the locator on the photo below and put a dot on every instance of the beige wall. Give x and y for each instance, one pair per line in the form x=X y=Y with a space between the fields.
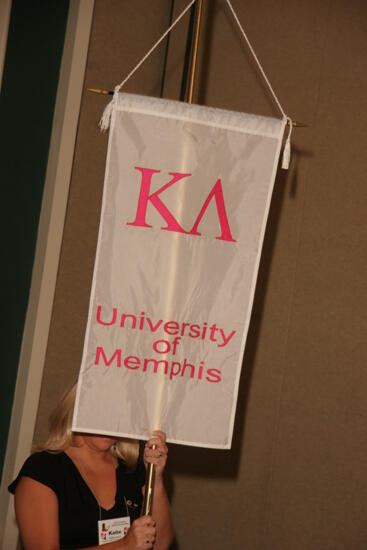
x=295 y=478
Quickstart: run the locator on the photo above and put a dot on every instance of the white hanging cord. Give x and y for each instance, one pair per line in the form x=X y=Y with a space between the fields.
x=106 y=117
x=256 y=58
x=287 y=147
x=105 y=120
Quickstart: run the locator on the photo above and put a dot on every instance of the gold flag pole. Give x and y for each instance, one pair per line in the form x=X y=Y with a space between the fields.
x=147 y=508
x=150 y=477
x=194 y=50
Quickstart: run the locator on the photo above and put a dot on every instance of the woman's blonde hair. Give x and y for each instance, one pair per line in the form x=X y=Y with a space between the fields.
x=61 y=437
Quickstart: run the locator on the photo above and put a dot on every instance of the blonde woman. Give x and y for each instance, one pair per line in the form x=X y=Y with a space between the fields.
x=81 y=491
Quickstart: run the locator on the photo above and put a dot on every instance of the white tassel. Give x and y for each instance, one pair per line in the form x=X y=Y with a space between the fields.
x=286 y=155
x=104 y=123
x=287 y=148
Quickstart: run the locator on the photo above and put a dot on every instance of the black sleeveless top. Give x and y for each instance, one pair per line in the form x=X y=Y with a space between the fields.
x=78 y=509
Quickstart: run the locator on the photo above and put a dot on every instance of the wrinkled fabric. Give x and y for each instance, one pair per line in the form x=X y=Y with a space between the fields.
x=186 y=197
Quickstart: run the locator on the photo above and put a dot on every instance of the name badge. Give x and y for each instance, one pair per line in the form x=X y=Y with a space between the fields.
x=112 y=529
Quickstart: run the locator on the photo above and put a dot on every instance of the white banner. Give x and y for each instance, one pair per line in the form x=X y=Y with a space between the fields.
x=186 y=196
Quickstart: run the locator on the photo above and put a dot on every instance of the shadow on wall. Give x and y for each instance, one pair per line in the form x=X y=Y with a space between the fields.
x=211 y=463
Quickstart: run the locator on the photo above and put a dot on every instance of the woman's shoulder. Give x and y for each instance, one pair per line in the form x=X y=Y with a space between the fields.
x=43 y=460
x=42 y=466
